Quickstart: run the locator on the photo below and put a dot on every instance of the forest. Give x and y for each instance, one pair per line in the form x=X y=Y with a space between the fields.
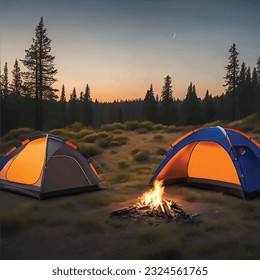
x=29 y=99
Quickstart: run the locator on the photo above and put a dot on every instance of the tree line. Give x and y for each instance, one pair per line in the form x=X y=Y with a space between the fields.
x=30 y=100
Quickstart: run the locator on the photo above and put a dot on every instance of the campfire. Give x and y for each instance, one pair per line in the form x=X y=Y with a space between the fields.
x=153 y=208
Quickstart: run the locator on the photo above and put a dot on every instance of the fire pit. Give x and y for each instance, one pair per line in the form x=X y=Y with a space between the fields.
x=153 y=208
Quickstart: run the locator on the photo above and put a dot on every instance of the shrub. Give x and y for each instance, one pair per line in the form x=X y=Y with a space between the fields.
x=105 y=142
x=91 y=149
x=134 y=151
x=158 y=126
x=76 y=126
x=147 y=124
x=142 y=156
x=119 y=140
x=123 y=164
x=121 y=177
x=91 y=138
x=256 y=129
x=248 y=123
x=6 y=146
x=112 y=141
x=63 y=133
x=82 y=133
x=141 y=130
x=112 y=126
x=215 y=123
x=117 y=131
x=158 y=137
x=19 y=134
x=132 y=125
x=173 y=128
x=160 y=151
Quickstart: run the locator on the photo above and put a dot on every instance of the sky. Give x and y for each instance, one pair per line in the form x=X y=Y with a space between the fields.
x=120 y=47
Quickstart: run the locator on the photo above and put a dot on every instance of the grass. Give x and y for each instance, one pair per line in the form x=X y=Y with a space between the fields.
x=160 y=151
x=28 y=215
x=76 y=126
x=129 y=158
x=88 y=224
x=249 y=123
x=121 y=177
x=173 y=129
x=142 y=156
x=111 y=140
x=113 y=127
x=196 y=195
x=157 y=243
x=91 y=149
x=123 y=164
x=100 y=198
x=158 y=138
x=91 y=138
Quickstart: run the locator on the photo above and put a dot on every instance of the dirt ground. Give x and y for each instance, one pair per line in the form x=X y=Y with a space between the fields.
x=80 y=226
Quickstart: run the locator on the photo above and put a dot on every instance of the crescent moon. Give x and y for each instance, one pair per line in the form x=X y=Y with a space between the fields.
x=174 y=35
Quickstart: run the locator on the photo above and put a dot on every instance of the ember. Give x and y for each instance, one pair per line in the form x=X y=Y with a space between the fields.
x=153 y=208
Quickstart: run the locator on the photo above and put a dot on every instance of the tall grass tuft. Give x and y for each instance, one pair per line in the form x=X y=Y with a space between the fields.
x=112 y=127
x=142 y=156
x=91 y=149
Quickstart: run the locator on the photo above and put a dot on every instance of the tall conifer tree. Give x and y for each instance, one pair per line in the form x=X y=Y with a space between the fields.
x=88 y=107
x=40 y=76
x=5 y=81
x=17 y=83
x=232 y=77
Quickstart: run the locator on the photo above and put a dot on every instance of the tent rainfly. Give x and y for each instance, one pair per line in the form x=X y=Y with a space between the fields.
x=45 y=166
x=225 y=160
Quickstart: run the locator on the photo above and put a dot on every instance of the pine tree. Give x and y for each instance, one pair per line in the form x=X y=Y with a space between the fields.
x=41 y=71
x=81 y=98
x=1 y=82
x=258 y=71
x=255 y=92
x=88 y=107
x=120 y=117
x=258 y=86
x=87 y=96
x=73 y=108
x=167 y=90
x=63 y=108
x=191 y=107
x=168 y=112
x=242 y=74
x=63 y=96
x=248 y=76
x=242 y=92
x=17 y=83
x=254 y=78
x=5 y=82
x=209 y=107
x=73 y=96
x=150 y=105
x=232 y=77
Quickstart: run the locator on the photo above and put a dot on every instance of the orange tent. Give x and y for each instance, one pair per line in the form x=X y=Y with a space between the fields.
x=45 y=166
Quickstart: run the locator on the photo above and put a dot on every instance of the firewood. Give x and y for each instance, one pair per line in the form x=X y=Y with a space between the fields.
x=166 y=209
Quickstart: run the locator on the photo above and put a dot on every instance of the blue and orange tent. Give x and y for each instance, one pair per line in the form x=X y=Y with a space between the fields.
x=226 y=160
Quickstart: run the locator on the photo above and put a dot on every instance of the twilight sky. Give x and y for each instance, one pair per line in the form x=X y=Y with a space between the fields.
x=119 y=47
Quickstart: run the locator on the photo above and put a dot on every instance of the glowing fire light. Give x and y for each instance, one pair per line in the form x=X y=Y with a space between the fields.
x=153 y=198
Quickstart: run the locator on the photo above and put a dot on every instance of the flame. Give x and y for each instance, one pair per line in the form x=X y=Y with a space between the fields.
x=153 y=198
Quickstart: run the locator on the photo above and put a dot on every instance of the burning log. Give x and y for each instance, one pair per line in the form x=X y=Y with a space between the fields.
x=153 y=208
x=168 y=211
